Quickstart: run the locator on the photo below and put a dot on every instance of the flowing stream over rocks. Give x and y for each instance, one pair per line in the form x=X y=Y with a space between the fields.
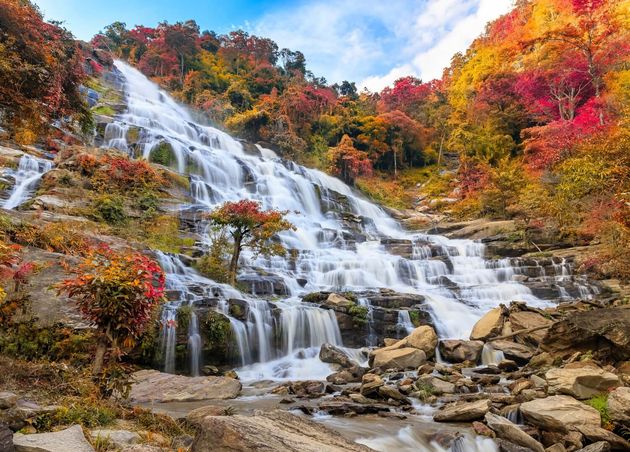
x=342 y=242
x=27 y=176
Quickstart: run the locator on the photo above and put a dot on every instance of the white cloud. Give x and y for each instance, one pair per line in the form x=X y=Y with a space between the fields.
x=375 y=42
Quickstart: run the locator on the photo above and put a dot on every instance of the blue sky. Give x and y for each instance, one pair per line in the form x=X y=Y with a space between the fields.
x=372 y=42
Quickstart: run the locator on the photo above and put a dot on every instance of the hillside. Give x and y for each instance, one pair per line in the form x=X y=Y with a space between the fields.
x=199 y=239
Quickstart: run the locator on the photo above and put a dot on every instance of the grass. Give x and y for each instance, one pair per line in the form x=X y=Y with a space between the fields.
x=600 y=403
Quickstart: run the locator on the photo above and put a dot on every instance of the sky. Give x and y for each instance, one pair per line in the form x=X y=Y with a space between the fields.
x=370 y=42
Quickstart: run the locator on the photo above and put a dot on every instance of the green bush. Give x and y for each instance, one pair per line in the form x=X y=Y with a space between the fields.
x=111 y=209
x=600 y=403
x=163 y=154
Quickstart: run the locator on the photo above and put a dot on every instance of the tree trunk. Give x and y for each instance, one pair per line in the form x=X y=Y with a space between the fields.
x=236 y=252
x=99 y=357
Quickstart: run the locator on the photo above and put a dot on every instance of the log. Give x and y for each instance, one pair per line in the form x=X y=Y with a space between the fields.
x=516 y=333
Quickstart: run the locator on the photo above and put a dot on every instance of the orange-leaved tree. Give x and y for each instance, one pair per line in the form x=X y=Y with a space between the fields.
x=117 y=291
x=251 y=227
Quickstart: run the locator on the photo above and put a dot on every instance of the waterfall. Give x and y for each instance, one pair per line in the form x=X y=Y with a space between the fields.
x=30 y=170
x=405 y=325
x=340 y=243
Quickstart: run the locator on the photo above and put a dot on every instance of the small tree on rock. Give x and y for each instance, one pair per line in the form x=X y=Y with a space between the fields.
x=250 y=227
x=117 y=292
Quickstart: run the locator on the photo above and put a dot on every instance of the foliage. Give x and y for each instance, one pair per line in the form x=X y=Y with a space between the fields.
x=250 y=227
x=214 y=263
x=117 y=292
x=111 y=209
x=162 y=233
x=600 y=403
x=40 y=72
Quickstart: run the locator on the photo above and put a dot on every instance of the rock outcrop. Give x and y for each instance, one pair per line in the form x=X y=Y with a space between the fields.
x=505 y=429
x=559 y=413
x=463 y=412
x=580 y=380
x=399 y=359
x=70 y=439
x=275 y=431
x=178 y=388
x=457 y=351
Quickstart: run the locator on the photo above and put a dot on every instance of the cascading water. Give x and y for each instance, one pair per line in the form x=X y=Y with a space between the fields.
x=330 y=252
x=405 y=325
x=27 y=176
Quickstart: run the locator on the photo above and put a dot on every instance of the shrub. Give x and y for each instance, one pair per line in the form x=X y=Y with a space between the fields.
x=600 y=403
x=118 y=292
x=111 y=209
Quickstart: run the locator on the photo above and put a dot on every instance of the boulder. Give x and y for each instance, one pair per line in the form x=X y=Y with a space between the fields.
x=439 y=386
x=457 y=351
x=489 y=325
x=199 y=414
x=559 y=413
x=400 y=359
x=606 y=334
x=370 y=384
x=390 y=392
x=328 y=353
x=7 y=400
x=6 y=439
x=600 y=446
x=70 y=439
x=619 y=405
x=274 y=431
x=581 y=380
x=522 y=320
x=423 y=338
x=336 y=300
x=463 y=412
x=179 y=388
x=596 y=433
x=513 y=350
x=118 y=438
x=505 y=429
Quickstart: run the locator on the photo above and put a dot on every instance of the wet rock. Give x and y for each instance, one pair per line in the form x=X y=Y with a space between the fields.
x=520 y=385
x=508 y=446
x=489 y=325
x=274 y=431
x=264 y=285
x=463 y=412
x=178 y=388
x=328 y=353
x=370 y=384
x=399 y=359
x=507 y=365
x=301 y=389
x=344 y=408
x=118 y=438
x=559 y=413
x=485 y=380
x=70 y=439
x=596 y=433
x=505 y=429
x=619 y=405
x=606 y=334
x=359 y=398
x=487 y=370
x=482 y=429
x=390 y=392
x=513 y=350
x=457 y=351
x=7 y=400
x=438 y=385
x=581 y=380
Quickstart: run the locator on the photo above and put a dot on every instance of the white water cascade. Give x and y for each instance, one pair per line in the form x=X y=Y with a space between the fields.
x=27 y=176
x=280 y=339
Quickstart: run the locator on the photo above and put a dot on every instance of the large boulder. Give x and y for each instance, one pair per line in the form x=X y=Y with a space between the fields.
x=463 y=412
x=506 y=429
x=370 y=383
x=619 y=405
x=457 y=351
x=525 y=320
x=513 y=350
x=581 y=380
x=155 y=386
x=336 y=300
x=606 y=333
x=328 y=353
x=70 y=439
x=399 y=359
x=490 y=325
x=274 y=431
x=596 y=434
x=423 y=338
x=559 y=413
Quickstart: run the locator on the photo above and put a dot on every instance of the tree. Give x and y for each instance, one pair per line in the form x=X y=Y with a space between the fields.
x=250 y=227
x=118 y=292
x=348 y=162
